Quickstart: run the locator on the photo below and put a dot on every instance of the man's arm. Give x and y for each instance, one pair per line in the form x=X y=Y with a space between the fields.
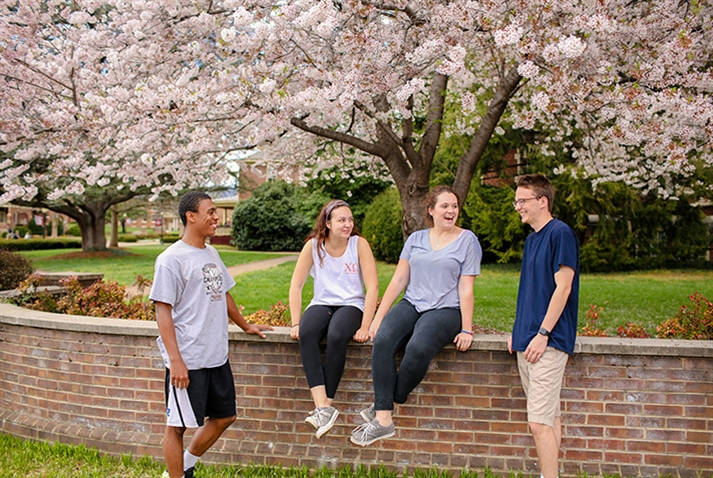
x=564 y=278
x=235 y=315
x=167 y=330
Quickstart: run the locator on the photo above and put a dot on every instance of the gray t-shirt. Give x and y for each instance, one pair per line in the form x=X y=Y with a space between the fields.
x=194 y=282
x=433 y=283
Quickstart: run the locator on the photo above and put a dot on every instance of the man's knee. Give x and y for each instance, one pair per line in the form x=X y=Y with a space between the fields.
x=227 y=421
x=539 y=429
x=175 y=431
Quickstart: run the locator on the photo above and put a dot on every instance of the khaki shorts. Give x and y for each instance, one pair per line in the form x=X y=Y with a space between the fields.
x=542 y=382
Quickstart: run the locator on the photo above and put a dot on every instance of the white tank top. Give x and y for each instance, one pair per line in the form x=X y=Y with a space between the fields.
x=338 y=280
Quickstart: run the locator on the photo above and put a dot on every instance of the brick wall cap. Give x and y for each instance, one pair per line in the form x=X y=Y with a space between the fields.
x=14 y=315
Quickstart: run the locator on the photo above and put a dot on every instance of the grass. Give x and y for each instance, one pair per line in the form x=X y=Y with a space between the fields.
x=646 y=298
x=36 y=459
x=123 y=265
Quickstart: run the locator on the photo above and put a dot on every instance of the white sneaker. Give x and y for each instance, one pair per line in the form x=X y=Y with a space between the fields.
x=322 y=419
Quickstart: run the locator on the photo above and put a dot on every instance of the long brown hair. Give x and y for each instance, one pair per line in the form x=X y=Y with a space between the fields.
x=321 y=231
x=432 y=198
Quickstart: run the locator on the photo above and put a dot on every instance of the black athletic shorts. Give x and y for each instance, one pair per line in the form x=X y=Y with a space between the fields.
x=210 y=393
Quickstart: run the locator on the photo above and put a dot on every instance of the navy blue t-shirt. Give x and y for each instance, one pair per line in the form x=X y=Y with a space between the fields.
x=545 y=251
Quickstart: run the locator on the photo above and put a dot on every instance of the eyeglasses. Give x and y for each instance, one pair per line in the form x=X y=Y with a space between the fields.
x=521 y=202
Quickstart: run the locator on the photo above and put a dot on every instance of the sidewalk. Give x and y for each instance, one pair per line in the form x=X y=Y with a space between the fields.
x=260 y=265
x=241 y=268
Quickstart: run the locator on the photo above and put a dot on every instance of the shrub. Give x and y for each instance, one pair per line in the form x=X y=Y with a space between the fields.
x=632 y=331
x=382 y=226
x=35 y=230
x=353 y=185
x=170 y=238
x=497 y=224
x=101 y=299
x=127 y=238
x=15 y=268
x=74 y=230
x=270 y=219
x=694 y=322
x=21 y=231
x=40 y=244
x=276 y=316
x=590 y=329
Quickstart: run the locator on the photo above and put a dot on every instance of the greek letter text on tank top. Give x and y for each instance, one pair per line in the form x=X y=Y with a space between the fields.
x=338 y=280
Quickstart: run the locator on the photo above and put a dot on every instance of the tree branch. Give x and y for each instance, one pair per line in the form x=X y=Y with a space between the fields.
x=469 y=161
x=337 y=136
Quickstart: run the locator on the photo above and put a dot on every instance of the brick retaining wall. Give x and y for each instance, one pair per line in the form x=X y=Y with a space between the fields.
x=636 y=407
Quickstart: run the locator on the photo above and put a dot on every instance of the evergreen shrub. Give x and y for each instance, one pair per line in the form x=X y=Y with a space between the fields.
x=271 y=219
x=382 y=226
x=21 y=231
x=170 y=238
x=37 y=244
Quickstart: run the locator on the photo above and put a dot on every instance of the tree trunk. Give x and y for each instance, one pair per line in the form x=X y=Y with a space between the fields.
x=411 y=168
x=114 y=241
x=93 y=234
x=55 y=223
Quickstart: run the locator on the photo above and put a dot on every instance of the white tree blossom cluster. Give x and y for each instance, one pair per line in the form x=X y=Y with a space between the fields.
x=156 y=93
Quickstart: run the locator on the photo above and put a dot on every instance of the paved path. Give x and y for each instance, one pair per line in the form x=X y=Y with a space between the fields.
x=242 y=268
x=260 y=265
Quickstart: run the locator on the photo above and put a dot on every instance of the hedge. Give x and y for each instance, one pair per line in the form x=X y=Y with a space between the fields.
x=40 y=244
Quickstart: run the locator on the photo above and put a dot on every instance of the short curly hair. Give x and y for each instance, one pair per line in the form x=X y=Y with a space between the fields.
x=190 y=202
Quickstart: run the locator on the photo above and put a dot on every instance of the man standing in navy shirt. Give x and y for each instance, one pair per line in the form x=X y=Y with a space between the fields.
x=546 y=319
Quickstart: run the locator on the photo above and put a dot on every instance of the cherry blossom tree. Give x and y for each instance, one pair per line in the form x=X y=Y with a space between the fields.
x=634 y=77
x=155 y=94
x=94 y=112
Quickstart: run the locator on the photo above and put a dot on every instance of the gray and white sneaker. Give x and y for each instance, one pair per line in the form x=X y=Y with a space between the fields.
x=368 y=414
x=368 y=433
x=322 y=419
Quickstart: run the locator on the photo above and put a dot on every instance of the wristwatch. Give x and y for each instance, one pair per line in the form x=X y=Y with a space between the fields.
x=544 y=331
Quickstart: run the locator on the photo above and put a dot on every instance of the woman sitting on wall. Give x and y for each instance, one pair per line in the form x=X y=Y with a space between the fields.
x=437 y=267
x=342 y=265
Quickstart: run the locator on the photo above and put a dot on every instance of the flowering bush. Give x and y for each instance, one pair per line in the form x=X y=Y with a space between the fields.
x=276 y=316
x=101 y=299
x=590 y=329
x=633 y=331
x=693 y=322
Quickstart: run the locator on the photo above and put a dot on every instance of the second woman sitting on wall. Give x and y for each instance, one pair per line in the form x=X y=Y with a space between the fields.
x=342 y=265
x=437 y=267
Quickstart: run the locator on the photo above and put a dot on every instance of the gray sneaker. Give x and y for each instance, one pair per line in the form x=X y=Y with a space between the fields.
x=322 y=419
x=368 y=414
x=370 y=432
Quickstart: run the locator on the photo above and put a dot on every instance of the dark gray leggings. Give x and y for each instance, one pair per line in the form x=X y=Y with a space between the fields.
x=338 y=324
x=423 y=334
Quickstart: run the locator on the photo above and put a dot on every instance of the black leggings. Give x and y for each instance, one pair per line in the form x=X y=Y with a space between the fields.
x=338 y=324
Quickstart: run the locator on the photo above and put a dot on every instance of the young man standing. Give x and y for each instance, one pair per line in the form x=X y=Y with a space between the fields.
x=546 y=319
x=193 y=305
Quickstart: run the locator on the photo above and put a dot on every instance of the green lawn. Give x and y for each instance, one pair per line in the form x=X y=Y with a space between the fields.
x=38 y=459
x=646 y=298
x=124 y=265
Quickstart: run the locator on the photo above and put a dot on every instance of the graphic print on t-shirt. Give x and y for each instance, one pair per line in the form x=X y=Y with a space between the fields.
x=351 y=268
x=213 y=281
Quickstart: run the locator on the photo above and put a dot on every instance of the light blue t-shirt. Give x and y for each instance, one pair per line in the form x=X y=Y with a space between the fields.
x=434 y=275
